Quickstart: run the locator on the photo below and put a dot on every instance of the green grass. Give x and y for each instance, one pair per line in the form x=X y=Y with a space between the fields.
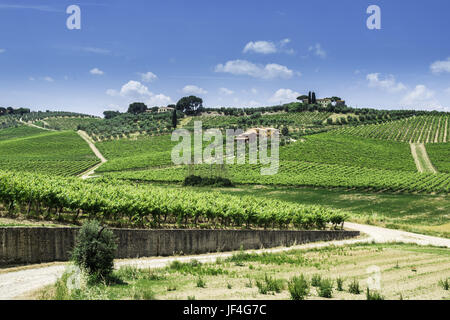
x=439 y=154
x=350 y=151
x=273 y=281
x=425 y=214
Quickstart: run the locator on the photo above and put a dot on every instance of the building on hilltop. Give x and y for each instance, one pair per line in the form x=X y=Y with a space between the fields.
x=165 y=109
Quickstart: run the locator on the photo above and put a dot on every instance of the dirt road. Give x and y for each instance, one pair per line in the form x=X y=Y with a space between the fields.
x=14 y=284
x=88 y=173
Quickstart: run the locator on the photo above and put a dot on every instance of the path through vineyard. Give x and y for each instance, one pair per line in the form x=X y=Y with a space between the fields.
x=14 y=284
x=420 y=155
x=88 y=173
x=33 y=125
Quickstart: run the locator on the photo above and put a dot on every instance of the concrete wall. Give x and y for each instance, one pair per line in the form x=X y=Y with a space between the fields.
x=34 y=245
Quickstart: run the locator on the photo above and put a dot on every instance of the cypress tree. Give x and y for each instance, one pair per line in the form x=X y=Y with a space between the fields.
x=174 y=118
x=313 y=98
x=309 y=98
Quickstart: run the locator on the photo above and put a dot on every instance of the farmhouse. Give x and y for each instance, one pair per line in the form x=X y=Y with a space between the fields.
x=324 y=102
x=268 y=132
x=165 y=109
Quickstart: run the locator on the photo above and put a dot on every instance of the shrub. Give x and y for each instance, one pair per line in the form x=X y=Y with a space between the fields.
x=325 y=289
x=201 y=283
x=269 y=284
x=445 y=284
x=298 y=288
x=340 y=284
x=94 y=250
x=373 y=295
x=315 y=280
x=354 y=287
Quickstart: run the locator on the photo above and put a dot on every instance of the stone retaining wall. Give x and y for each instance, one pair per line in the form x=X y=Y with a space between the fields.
x=26 y=245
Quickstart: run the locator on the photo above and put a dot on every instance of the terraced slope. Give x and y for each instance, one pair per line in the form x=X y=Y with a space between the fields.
x=419 y=129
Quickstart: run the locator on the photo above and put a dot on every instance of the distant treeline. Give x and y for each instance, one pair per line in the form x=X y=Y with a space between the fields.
x=301 y=107
x=11 y=111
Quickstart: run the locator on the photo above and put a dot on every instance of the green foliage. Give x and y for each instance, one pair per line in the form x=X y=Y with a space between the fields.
x=207 y=181
x=137 y=107
x=115 y=200
x=316 y=280
x=298 y=287
x=201 y=283
x=269 y=284
x=354 y=287
x=439 y=154
x=339 y=284
x=94 y=250
x=325 y=289
x=190 y=105
x=58 y=153
x=423 y=128
x=350 y=151
x=445 y=283
x=373 y=295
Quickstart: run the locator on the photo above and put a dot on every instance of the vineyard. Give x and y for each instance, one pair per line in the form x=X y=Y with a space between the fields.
x=426 y=129
x=439 y=154
x=8 y=121
x=350 y=151
x=125 y=204
x=35 y=150
x=296 y=173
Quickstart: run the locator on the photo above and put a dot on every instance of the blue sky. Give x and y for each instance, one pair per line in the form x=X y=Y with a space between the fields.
x=230 y=53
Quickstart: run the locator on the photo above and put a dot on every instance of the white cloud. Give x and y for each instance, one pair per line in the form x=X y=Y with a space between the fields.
x=159 y=100
x=389 y=83
x=31 y=78
x=134 y=89
x=267 y=47
x=225 y=91
x=148 y=76
x=440 y=66
x=447 y=90
x=318 y=50
x=284 y=96
x=48 y=79
x=191 y=89
x=2 y=50
x=254 y=91
x=244 y=67
x=264 y=47
x=422 y=97
x=96 y=71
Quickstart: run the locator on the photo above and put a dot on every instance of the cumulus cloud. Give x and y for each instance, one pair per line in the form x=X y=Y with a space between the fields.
x=96 y=71
x=264 y=47
x=267 y=47
x=388 y=83
x=48 y=79
x=135 y=90
x=318 y=50
x=95 y=50
x=191 y=89
x=421 y=97
x=244 y=67
x=440 y=66
x=148 y=76
x=225 y=91
x=284 y=96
